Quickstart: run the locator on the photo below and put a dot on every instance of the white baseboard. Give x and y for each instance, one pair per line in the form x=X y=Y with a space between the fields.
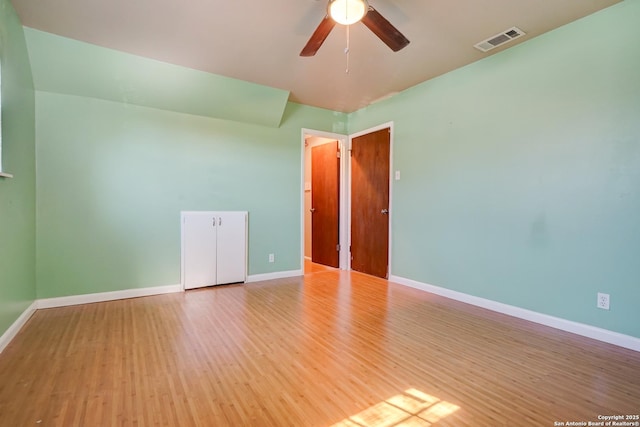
x=106 y=296
x=588 y=331
x=13 y=330
x=276 y=275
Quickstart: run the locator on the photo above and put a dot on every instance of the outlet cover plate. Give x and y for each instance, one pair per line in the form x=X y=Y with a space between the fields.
x=603 y=301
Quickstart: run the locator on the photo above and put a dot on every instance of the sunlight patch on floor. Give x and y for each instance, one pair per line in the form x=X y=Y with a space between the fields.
x=407 y=409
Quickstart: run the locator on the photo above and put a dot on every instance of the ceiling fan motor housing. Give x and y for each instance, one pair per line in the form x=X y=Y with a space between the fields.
x=347 y=12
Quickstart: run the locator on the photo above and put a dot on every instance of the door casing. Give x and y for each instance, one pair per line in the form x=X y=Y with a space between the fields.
x=342 y=144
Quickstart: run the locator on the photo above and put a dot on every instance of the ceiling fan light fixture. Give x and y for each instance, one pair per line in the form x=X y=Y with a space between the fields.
x=347 y=12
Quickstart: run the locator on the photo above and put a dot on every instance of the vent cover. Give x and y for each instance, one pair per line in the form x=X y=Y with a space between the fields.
x=499 y=39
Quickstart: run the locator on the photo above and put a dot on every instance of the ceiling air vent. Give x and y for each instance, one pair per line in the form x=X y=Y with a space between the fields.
x=499 y=39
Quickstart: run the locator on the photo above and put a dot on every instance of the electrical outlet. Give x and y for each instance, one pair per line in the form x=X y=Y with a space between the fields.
x=603 y=301
x=272 y=258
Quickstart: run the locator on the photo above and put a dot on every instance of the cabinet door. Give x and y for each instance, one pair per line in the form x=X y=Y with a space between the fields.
x=232 y=247
x=199 y=234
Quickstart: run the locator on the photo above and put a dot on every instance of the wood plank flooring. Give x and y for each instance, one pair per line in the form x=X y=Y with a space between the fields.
x=331 y=348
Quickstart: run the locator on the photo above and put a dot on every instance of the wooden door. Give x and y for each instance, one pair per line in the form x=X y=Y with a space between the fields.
x=325 y=204
x=370 y=203
x=199 y=246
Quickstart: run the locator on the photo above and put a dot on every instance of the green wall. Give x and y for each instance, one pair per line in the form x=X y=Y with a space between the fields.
x=17 y=195
x=113 y=178
x=521 y=173
x=125 y=143
x=72 y=67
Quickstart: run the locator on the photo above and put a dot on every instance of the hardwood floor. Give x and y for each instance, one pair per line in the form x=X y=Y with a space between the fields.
x=331 y=348
x=314 y=267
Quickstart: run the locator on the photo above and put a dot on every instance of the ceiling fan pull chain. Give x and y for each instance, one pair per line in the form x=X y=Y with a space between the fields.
x=346 y=50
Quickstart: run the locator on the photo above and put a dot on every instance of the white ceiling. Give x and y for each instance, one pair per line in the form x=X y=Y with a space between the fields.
x=260 y=42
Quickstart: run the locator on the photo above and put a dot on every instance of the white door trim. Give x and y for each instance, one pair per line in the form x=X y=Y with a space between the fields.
x=344 y=154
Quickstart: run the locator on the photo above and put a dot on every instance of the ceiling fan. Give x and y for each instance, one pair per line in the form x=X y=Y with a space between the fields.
x=347 y=12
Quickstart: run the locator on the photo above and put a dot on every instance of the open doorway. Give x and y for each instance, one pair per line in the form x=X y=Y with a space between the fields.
x=324 y=209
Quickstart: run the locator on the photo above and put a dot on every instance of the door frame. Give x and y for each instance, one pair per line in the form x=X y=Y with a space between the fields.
x=343 y=236
x=344 y=142
x=391 y=176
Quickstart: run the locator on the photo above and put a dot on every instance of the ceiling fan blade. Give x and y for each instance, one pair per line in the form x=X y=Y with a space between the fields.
x=318 y=37
x=384 y=30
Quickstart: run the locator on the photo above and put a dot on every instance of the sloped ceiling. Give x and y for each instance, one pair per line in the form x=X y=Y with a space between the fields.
x=67 y=66
x=259 y=42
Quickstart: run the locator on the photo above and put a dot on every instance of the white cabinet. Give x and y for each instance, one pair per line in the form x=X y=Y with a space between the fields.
x=214 y=248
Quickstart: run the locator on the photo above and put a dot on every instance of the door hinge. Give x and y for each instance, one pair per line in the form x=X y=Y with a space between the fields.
x=338 y=248
x=338 y=153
